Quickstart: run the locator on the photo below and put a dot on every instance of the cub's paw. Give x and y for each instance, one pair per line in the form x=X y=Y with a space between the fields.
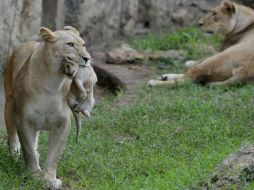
x=77 y=109
x=86 y=113
x=83 y=94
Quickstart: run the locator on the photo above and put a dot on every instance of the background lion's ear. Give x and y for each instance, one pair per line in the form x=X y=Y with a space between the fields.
x=228 y=7
x=72 y=29
x=47 y=34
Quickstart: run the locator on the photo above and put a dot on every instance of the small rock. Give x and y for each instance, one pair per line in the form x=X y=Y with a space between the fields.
x=124 y=54
x=235 y=171
x=179 y=16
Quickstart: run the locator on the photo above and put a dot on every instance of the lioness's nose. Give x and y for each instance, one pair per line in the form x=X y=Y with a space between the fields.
x=85 y=58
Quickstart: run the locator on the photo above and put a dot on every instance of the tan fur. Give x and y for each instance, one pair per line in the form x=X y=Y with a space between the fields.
x=235 y=62
x=82 y=85
x=36 y=84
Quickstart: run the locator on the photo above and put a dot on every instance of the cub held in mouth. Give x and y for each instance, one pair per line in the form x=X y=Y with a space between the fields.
x=81 y=95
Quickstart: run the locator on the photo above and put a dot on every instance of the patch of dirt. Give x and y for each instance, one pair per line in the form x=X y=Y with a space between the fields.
x=127 y=77
x=119 y=68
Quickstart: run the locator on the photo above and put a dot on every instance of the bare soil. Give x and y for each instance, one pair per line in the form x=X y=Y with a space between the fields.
x=130 y=77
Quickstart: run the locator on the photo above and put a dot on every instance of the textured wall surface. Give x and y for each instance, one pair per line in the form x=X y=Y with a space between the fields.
x=97 y=20
x=19 y=21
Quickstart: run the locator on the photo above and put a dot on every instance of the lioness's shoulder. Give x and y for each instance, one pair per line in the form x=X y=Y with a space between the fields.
x=24 y=50
x=18 y=58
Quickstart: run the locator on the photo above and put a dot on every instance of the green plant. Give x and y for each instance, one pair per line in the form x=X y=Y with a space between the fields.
x=185 y=38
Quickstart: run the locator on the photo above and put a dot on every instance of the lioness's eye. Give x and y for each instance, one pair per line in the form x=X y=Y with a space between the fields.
x=71 y=44
x=84 y=45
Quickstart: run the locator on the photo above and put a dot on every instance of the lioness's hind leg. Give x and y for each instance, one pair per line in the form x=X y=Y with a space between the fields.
x=239 y=75
x=229 y=81
x=13 y=140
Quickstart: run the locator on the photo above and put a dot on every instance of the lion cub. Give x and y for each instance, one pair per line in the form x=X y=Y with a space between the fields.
x=81 y=97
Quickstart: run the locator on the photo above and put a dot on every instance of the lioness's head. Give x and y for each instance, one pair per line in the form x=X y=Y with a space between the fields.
x=64 y=42
x=220 y=19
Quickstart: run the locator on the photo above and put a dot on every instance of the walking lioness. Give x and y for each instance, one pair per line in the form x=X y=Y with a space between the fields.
x=235 y=62
x=36 y=85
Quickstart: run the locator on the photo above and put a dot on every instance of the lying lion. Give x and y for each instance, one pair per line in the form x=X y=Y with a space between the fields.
x=80 y=98
x=36 y=85
x=235 y=62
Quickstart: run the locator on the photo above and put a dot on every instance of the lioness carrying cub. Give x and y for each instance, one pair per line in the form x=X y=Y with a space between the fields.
x=235 y=62
x=36 y=86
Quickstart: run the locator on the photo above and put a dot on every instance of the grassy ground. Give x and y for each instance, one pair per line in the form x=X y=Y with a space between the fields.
x=169 y=138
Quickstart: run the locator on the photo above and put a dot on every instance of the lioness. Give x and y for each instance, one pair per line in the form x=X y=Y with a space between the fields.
x=82 y=83
x=36 y=85
x=235 y=62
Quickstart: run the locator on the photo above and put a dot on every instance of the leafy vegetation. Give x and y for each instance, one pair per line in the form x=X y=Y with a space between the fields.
x=168 y=138
x=190 y=39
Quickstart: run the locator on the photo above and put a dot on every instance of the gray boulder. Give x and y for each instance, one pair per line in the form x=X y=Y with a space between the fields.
x=234 y=172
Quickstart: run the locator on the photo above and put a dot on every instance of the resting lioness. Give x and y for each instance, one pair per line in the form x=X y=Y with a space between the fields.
x=36 y=85
x=235 y=62
x=83 y=83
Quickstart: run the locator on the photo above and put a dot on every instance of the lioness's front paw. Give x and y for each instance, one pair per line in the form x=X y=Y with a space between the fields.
x=55 y=184
x=151 y=83
x=52 y=183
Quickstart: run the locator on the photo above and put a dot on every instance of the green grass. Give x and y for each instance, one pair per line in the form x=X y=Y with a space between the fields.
x=190 y=39
x=169 y=138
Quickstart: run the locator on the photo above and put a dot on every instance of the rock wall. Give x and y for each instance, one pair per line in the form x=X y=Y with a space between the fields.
x=97 y=20
x=19 y=21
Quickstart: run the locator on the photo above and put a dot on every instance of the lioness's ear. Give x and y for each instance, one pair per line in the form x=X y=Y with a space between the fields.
x=72 y=29
x=228 y=7
x=47 y=34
